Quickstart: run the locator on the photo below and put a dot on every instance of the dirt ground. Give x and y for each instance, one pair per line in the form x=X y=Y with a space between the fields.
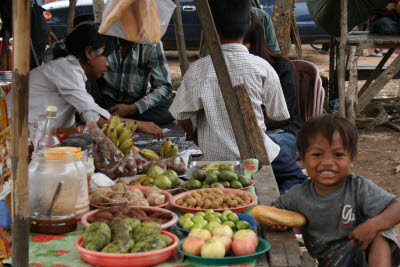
x=379 y=148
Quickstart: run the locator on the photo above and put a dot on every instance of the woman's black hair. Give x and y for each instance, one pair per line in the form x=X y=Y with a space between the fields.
x=84 y=35
x=258 y=45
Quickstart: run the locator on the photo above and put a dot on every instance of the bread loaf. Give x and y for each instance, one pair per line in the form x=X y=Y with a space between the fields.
x=277 y=217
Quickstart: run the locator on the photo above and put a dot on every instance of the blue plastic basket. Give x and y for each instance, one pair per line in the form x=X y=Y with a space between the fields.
x=5 y=218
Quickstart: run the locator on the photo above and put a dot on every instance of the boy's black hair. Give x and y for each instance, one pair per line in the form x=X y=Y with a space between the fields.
x=231 y=17
x=84 y=35
x=327 y=125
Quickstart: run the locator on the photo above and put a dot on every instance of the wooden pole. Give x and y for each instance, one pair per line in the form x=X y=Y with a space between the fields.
x=332 y=71
x=224 y=80
x=19 y=132
x=71 y=16
x=180 y=39
x=295 y=37
x=351 y=100
x=342 y=57
x=282 y=15
x=98 y=7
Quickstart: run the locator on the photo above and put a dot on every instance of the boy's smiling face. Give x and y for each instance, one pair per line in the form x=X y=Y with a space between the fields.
x=327 y=164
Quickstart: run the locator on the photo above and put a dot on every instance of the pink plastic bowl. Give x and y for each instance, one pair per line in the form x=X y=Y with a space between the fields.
x=252 y=182
x=225 y=190
x=166 y=225
x=168 y=196
x=129 y=259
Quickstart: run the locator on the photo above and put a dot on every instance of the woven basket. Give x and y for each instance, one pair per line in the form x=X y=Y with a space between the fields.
x=372 y=116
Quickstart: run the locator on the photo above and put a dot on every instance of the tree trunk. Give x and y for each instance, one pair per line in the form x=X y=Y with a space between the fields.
x=98 y=8
x=283 y=15
x=71 y=16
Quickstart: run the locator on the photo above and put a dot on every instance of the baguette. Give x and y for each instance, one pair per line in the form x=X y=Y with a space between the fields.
x=115 y=13
x=277 y=217
x=141 y=22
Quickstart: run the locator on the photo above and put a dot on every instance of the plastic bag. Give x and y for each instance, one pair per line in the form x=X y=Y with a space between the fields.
x=176 y=164
x=139 y=21
x=159 y=163
x=107 y=158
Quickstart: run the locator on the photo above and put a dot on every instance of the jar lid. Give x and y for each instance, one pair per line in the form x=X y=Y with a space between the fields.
x=75 y=150
x=75 y=142
x=85 y=136
x=52 y=108
x=53 y=154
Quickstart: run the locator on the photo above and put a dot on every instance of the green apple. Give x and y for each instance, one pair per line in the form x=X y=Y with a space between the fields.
x=202 y=222
x=200 y=213
x=212 y=224
x=233 y=217
x=208 y=227
x=208 y=217
x=230 y=224
x=196 y=226
x=188 y=215
x=182 y=220
x=188 y=225
x=216 y=220
x=223 y=218
x=242 y=225
x=226 y=212
x=197 y=218
x=217 y=214
x=209 y=212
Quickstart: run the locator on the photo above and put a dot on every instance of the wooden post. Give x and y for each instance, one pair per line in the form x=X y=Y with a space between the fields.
x=98 y=7
x=342 y=57
x=19 y=132
x=282 y=15
x=295 y=37
x=180 y=39
x=351 y=100
x=71 y=16
x=332 y=71
x=224 y=80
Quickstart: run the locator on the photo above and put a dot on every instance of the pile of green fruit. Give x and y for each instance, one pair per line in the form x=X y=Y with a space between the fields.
x=223 y=177
x=162 y=179
x=209 y=219
x=125 y=236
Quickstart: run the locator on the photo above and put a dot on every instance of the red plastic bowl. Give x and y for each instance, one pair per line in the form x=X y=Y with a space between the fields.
x=225 y=190
x=168 y=197
x=252 y=182
x=166 y=225
x=129 y=259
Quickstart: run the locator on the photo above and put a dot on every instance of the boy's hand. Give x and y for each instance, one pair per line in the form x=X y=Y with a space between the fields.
x=365 y=233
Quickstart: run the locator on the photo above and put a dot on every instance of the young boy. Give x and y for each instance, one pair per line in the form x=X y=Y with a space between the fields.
x=348 y=217
x=200 y=95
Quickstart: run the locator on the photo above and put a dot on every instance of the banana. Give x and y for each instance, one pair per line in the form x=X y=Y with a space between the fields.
x=114 y=121
x=165 y=148
x=211 y=166
x=149 y=154
x=173 y=151
x=112 y=133
x=126 y=146
x=132 y=126
x=120 y=128
x=105 y=128
x=115 y=142
x=125 y=135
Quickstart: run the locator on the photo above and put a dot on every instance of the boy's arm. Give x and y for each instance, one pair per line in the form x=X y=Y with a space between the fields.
x=366 y=232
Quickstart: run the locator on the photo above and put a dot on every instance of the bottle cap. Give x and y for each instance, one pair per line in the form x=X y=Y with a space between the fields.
x=85 y=136
x=75 y=150
x=52 y=108
x=59 y=155
x=75 y=142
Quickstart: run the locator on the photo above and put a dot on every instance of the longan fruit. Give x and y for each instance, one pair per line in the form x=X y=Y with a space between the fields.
x=225 y=206
x=184 y=205
x=193 y=194
x=231 y=196
x=200 y=203
x=179 y=202
x=219 y=200
x=226 y=199
x=192 y=202
x=207 y=204
x=215 y=205
x=239 y=200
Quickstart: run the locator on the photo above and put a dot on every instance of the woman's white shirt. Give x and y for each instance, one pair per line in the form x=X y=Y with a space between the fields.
x=61 y=82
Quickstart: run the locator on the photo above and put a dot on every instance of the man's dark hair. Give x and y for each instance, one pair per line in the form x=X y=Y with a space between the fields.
x=231 y=17
x=84 y=35
x=327 y=125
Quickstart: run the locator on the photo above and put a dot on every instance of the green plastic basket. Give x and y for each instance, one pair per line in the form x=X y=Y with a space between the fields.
x=263 y=246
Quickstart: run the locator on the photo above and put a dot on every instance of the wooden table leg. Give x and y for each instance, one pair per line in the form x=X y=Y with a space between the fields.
x=351 y=99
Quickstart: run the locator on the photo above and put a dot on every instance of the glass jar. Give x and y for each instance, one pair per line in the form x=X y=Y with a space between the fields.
x=82 y=202
x=53 y=180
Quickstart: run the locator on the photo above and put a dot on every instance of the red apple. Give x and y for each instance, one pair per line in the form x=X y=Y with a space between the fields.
x=226 y=240
x=222 y=230
x=192 y=245
x=246 y=233
x=201 y=233
x=243 y=246
x=213 y=249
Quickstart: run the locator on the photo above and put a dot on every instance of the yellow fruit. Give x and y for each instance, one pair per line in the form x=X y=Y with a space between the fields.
x=149 y=154
x=112 y=133
x=105 y=128
x=126 y=134
x=131 y=126
x=135 y=149
x=121 y=128
x=114 y=122
x=126 y=146
x=115 y=142
x=165 y=148
x=141 y=179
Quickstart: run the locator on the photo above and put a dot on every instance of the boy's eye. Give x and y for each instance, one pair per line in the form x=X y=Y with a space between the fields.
x=340 y=154
x=316 y=154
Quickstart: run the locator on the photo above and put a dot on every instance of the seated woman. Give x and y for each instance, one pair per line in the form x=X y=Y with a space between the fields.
x=284 y=132
x=61 y=82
